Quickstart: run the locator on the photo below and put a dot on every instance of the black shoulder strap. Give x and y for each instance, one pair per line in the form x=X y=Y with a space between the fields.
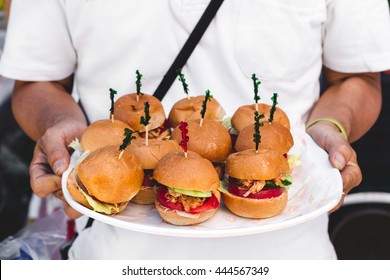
x=188 y=48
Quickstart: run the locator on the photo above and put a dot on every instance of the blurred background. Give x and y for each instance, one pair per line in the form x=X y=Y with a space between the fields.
x=359 y=230
x=15 y=154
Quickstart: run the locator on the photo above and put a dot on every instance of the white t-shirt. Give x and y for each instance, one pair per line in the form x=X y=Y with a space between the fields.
x=284 y=42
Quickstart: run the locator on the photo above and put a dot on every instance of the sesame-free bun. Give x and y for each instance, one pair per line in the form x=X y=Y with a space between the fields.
x=274 y=136
x=189 y=109
x=263 y=165
x=103 y=133
x=211 y=140
x=129 y=110
x=244 y=116
x=78 y=196
x=188 y=173
x=109 y=179
x=255 y=208
x=145 y=196
x=181 y=218
x=151 y=154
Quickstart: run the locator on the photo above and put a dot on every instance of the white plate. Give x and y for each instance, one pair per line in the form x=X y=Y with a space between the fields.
x=316 y=188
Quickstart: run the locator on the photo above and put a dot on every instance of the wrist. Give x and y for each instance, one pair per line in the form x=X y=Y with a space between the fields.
x=330 y=121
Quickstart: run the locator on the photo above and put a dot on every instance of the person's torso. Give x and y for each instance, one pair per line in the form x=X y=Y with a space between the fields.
x=279 y=41
x=305 y=241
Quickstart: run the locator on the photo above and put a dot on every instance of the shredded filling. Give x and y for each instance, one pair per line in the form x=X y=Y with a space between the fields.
x=251 y=186
x=160 y=133
x=188 y=202
x=254 y=186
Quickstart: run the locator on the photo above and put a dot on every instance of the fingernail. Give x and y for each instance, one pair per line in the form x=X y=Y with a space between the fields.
x=339 y=161
x=58 y=166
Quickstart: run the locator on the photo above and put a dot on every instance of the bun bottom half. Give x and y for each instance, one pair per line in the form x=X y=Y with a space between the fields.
x=255 y=208
x=145 y=196
x=180 y=218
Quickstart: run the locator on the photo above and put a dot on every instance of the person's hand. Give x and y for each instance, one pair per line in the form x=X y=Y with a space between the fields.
x=51 y=158
x=341 y=155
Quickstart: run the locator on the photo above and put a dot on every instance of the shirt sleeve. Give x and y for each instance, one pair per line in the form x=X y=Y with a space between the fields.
x=38 y=46
x=357 y=36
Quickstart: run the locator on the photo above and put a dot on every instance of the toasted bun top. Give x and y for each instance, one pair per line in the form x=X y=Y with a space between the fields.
x=211 y=140
x=109 y=179
x=156 y=149
x=273 y=137
x=103 y=133
x=245 y=116
x=191 y=173
x=264 y=165
x=189 y=109
x=128 y=110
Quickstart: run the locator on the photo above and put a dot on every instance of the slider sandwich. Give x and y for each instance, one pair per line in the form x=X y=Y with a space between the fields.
x=104 y=132
x=106 y=179
x=149 y=155
x=244 y=114
x=130 y=107
x=209 y=138
x=188 y=186
x=189 y=108
x=274 y=136
x=257 y=183
x=257 y=180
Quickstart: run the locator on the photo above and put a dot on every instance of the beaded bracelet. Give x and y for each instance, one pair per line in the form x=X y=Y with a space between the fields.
x=333 y=121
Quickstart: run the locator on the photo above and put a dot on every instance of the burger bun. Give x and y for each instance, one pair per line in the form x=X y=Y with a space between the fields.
x=244 y=116
x=103 y=133
x=129 y=110
x=211 y=140
x=274 y=136
x=187 y=109
x=255 y=208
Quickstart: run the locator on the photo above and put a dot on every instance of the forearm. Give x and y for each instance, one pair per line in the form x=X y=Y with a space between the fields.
x=37 y=106
x=353 y=100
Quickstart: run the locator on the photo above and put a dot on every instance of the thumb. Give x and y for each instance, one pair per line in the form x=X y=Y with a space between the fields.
x=58 y=159
x=57 y=153
x=339 y=153
x=331 y=140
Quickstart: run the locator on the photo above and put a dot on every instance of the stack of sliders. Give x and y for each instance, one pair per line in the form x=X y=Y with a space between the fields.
x=209 y=138
x=130 y=107
x=106 y=179
x=274 y=135
x=189 y=108
x=188 y=186
x=149 y=155
x=257 y=180
x=149 y=152
x=243 y=116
